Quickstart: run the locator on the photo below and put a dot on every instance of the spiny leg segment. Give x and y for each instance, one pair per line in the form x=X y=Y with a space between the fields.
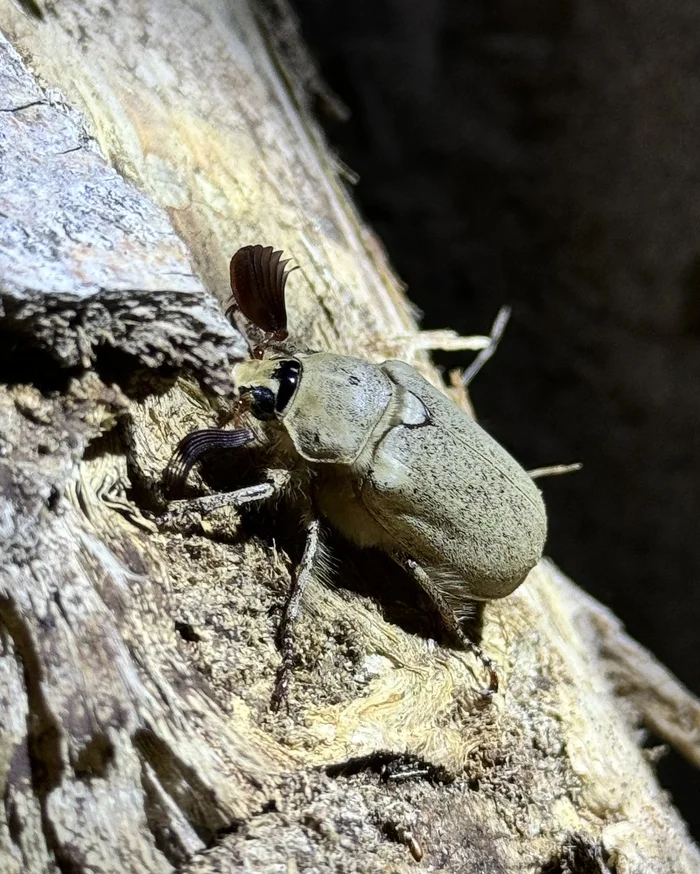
x=285 y=630
x=448 y=616
x=182 y=514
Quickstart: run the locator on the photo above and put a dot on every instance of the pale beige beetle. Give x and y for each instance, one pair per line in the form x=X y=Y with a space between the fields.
x=377 y=453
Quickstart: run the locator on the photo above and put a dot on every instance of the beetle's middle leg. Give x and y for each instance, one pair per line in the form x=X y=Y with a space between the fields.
x=290 y=614
x=448 y=615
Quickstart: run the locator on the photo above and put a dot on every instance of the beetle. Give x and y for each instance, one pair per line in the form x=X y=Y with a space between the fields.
x=377 y=453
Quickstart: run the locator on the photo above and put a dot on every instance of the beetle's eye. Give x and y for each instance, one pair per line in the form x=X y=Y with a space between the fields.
x=288 y=375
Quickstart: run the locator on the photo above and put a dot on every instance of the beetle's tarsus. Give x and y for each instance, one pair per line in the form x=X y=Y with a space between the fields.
x=488 y=664
x=285 y=630
x=477 y=651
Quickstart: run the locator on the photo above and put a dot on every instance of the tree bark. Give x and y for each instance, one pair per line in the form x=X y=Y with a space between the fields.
x=140 y=145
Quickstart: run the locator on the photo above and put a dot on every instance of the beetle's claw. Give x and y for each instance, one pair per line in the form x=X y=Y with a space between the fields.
x=285 y=643
x=488 y=693
x=280 y=695
x=493 y=681
x=492 y=689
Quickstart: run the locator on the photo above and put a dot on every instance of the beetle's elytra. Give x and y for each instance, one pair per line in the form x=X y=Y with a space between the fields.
x=377 y=453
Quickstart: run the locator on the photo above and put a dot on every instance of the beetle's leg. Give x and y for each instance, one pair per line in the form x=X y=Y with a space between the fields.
x=182 y=515
x=285 y=630
x=448 y=616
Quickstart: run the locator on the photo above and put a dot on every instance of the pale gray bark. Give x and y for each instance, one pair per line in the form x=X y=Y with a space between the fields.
x=141 y=145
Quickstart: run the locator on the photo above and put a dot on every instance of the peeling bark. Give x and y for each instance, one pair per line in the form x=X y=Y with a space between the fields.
x=140 y=148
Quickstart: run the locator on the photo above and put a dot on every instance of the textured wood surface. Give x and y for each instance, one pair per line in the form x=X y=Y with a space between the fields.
x=141 y=144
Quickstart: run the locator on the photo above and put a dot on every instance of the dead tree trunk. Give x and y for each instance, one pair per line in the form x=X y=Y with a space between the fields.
x=140 y=145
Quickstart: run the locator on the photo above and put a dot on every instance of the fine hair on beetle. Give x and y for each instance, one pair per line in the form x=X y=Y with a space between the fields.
x=374 y=453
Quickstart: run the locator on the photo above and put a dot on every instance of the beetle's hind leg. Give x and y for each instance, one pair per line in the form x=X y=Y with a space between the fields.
x=448 y=617
x=285 y=630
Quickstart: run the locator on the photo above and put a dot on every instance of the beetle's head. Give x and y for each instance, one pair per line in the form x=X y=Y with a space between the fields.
x=267 y=386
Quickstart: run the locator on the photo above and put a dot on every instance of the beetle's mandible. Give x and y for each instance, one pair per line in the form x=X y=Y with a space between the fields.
x=377 y=453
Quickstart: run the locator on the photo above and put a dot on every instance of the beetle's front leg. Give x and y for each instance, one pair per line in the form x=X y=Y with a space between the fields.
x=183 y=515
x=448 y=616
x=290 y=614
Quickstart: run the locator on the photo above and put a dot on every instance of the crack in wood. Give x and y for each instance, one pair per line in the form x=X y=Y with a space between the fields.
x=43 y=732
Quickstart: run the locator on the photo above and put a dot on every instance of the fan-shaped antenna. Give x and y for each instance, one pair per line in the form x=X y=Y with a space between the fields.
x=258 y=280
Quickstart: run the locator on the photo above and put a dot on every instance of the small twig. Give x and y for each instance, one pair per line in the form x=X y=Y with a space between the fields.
x=497 y=330
x=554 y=470
x=443 y=340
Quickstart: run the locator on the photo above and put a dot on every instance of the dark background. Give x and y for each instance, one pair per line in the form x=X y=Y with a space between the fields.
x=546 y=153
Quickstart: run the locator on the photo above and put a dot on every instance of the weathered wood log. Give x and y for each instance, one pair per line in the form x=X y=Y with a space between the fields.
x=140 y=145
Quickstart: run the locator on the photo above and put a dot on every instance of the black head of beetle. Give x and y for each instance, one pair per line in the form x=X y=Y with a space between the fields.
x=273 y=384
x=260 y=401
